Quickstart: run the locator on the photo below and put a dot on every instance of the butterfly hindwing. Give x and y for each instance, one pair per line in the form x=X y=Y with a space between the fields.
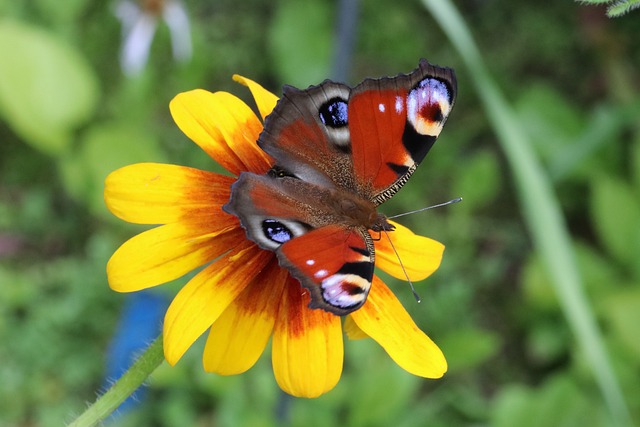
x=334 y=263
x=270 y=209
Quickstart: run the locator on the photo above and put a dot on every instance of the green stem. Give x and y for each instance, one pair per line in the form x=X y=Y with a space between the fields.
x=540 y=208
x=124 y=387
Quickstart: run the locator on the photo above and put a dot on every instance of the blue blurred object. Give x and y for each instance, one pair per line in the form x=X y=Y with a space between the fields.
x=140 y=323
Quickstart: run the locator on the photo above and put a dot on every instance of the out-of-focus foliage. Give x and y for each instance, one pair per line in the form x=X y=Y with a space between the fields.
x=68 y=116
x=616 y=8
x=46 y=86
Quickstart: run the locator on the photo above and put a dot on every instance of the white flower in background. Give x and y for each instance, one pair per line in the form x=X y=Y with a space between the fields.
x=139 y=22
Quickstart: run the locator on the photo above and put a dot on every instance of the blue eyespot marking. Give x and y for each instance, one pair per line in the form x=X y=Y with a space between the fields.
x=334 y=113
x=276 y=231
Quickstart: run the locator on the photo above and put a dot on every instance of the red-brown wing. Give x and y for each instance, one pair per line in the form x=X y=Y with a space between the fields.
x=308 y=135
x=275 y=210
x=294 y=219
x=393 y=122
x=369 y=139
x=334 y=263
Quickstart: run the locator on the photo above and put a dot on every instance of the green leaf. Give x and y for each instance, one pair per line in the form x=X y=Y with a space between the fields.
x=635 y=166
x=558 y=402
x=580 y=157
x=513 y=407
x=622 y=7
x=615 y=210
x=563 y=403
x=599 y=278
x=547 y=340
x=623 y=314
x=301 y=41
x=549 y=119
x=594 y=1
x=468 y=348
x=536 y=286
x=375 y=406
x=62 y=17
x=478 y=182
x=46 y=87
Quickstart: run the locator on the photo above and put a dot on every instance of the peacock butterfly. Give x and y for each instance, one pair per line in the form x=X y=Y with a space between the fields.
x=339 y=152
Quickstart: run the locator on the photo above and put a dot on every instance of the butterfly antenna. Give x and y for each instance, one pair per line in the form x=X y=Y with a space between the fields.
x=415 y=294
x=450 y=202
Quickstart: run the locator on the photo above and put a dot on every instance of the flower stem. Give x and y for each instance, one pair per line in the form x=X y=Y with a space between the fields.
x=124 y=387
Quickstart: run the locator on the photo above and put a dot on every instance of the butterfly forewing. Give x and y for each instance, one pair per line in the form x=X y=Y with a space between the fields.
x=308 y=136
x=393 y=122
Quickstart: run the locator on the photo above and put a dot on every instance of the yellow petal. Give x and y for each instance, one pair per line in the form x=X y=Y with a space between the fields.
x=167 y=252
x=238 y=338
x=420 y=255
x=223 y=126
x=189 y=112
x=207 y=295
x=352 y=329
x=384 y=319
x=153 y=193
x=265 y=100
x=307 y=345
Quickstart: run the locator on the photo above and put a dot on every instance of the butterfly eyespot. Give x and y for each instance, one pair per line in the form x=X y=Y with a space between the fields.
x=344 y=290
x=271 y=233
x=333 y=113
x=428 y=105
x=276 y=231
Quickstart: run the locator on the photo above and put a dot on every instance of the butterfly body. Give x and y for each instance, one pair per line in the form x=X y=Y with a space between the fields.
x=339 y=152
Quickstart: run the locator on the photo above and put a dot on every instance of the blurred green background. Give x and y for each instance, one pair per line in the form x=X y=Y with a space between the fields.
x=551 y=103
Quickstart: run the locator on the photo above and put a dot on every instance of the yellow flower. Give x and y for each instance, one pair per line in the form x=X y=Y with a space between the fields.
x=242 y=295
